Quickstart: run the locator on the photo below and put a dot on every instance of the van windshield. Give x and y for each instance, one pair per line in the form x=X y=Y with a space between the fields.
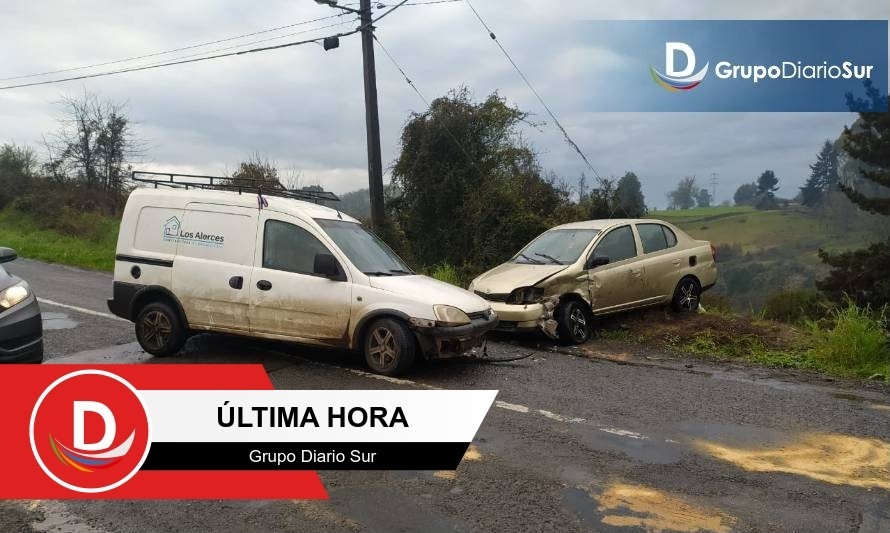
x=556 y=247
x=366 y=251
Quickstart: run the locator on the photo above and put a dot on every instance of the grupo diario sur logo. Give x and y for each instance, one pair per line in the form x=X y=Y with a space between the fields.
x=686 y=78
x=734 y=65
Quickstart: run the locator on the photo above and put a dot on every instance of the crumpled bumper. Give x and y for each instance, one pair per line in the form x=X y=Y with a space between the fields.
x=452 y=341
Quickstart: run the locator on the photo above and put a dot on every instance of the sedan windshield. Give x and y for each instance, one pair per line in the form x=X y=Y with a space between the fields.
x=556 y=247
x=366 y=251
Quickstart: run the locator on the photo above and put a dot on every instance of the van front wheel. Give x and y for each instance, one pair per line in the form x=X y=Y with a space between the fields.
x=389 y=347
x=159 y=329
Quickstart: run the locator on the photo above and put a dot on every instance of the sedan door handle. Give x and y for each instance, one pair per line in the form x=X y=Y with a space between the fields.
x=236 y=282
x=263 y=285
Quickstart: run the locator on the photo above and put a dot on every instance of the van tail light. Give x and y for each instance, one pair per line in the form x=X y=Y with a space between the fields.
x=713 y=253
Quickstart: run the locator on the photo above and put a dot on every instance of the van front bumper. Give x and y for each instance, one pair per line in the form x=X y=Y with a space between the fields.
x=21 y=333
x=452 y=341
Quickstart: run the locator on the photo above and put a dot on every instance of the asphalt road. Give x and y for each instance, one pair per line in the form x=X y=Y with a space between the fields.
x=595 y=441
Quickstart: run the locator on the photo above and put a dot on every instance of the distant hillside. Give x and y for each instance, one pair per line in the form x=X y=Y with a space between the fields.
x=763 y=252
x=356 y=203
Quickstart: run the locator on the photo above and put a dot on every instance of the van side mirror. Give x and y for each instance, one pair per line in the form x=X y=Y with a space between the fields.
x=326 y=265
x=596 y=261
x=7 y=255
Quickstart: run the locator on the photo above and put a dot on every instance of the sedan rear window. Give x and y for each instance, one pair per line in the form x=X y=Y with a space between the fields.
x=655 y=237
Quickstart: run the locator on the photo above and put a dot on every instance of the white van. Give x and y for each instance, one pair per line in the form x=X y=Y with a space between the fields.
x=192 y=260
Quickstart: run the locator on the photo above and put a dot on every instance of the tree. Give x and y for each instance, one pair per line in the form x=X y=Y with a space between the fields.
x=683 y=197
x=257 y=168
x=94 y=145
x=823 y=177
x=472 y=191
x=767 y=184
x=863 y=274
x=746 y=194
x=703 y=198
x=18 y=166
x=629 y=196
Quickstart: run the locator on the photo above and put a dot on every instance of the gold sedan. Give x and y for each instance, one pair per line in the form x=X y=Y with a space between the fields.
x=572 y=273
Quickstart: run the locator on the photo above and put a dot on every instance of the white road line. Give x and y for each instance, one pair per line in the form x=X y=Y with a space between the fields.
x=498 y=403
x=81 y=309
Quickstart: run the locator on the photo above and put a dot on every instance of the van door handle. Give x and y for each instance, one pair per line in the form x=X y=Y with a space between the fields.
x=236 y=282
x=263 y=285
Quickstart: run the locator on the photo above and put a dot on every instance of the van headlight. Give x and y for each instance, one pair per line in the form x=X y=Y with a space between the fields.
x=526 y=295
x=447 y=315
x=11 y=296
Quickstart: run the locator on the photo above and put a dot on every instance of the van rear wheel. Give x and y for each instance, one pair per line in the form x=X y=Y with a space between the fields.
x=389 y=347
x=159 y=329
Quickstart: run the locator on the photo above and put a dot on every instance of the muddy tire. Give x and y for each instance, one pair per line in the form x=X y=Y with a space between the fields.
x=687 y=295
x=159 y=329
x=389 y=347
x=574 y=323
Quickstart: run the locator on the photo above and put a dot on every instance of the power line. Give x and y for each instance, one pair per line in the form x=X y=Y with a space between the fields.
x=174 y=50
x=425 y=101
x=180 y=62
x=251 y=43
x=565 y=134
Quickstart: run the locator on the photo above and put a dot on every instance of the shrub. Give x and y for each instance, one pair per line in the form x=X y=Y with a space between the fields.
x=448 y=274
x=795 y=306
x=854 y=343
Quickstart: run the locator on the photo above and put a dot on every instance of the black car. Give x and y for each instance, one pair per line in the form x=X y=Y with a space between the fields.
x=21 y=328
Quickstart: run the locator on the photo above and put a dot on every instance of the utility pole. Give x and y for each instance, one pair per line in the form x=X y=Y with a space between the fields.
x=714 y=187
x=372 y=119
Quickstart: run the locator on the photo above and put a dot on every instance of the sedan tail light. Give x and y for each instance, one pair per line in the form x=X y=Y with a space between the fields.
x=713 y=253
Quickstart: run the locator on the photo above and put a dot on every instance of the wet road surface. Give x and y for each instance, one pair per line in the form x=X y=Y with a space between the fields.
x=573 y=443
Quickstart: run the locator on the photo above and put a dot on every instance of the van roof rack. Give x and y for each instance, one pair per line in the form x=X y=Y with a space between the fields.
x=222 y=183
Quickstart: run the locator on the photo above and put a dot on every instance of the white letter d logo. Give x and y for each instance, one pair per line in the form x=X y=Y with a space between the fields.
x=670 y=51
x=80 y=409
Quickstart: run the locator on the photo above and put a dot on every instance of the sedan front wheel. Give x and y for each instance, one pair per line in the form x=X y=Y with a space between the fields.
x=573 y=323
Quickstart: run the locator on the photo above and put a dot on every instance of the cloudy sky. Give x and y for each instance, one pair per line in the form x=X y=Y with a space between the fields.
x=303 y=107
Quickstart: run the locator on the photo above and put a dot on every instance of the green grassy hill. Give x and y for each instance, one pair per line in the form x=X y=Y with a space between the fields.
x=755 y=230
x=763 y=252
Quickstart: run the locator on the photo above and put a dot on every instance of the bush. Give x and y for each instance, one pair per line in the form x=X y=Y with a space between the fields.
x=448 y=274
x=855 y=342
x=795 y=306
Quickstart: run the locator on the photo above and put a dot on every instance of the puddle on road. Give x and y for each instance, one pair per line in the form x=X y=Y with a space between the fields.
x=832 y=458
x=862 y=401
x=626 y=505
x=54 y=321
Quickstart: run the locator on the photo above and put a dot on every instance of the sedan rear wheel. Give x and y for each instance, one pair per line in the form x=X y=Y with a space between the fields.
x=687 y=295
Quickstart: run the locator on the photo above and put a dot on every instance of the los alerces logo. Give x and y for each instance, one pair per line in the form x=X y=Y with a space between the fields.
x=679 y=80
x=90 y=431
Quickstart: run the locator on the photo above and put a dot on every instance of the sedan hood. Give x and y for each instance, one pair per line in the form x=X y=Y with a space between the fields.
x=508 y=276
x=432 y=291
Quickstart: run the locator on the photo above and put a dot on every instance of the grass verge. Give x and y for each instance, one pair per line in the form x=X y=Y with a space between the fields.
x=852 y=342
x=92 y=249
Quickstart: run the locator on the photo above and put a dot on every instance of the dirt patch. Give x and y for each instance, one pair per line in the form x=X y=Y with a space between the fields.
x=666 y=328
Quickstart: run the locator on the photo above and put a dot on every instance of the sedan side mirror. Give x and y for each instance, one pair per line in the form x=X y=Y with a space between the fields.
x=7 y=255
x=326 y=265
x=596 y=261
